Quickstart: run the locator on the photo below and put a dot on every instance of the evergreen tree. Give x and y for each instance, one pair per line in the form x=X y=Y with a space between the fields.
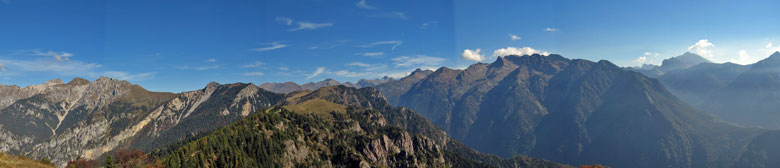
x=110 y=162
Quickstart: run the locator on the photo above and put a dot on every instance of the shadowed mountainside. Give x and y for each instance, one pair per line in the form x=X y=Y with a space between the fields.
x=572 y=111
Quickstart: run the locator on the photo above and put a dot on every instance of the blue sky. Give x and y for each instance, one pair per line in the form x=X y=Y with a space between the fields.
x=182 y=45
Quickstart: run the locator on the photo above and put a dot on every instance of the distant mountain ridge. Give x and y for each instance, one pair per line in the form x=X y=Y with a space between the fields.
x=287 y=87
x=571 y=111
x=752 y=98
x=684 y=61
x=742 y=94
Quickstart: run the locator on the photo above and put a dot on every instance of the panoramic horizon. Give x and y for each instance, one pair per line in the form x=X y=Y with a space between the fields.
x=350 y=83
x=173 y=46
x=363 y=83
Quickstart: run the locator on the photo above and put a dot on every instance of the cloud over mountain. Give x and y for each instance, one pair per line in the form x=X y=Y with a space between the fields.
x=518 y=51
x=702 y=47
x=473 y=55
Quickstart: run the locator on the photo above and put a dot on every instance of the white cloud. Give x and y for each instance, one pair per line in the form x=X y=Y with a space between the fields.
x=473 y=55
x=317 y=72
x=407 y=61
x=52 y=66
x=253 y=65
x=390 y=15
x=284 y=20
x=429 y=25
x=211 y=60
x=651 y=54
x=370 y=71
x=363 y=5
x=641 y=60
x=345 y=73
x=59 y=56
x=394 y=43
x=646 y=58
x=360 y=64
x=328 y=45
x=302 y=25
x=518 y=51
x=368 y=67
x=371 y=54
x=199 y=68
x=772 y=48
x=60 y=63
x=274 y=45
x=284 y=68
x=310 y=26
x=744 y=58
x=253 y=74
x=515 y=37
x=703 y=48
x=550 y=29
x=129 y=76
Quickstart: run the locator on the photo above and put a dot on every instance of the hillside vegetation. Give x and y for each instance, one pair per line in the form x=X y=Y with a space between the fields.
x=10 y=161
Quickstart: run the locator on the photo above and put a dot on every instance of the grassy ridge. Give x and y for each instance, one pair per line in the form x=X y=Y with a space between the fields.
x=8 y=161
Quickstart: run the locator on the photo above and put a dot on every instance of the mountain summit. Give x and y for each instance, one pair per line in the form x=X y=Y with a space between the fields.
x=683 y=61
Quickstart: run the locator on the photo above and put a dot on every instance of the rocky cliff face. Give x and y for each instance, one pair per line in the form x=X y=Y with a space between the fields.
x=45 y=116
x=62 y=121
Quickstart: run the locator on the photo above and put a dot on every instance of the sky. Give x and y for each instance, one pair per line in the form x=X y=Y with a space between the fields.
x=177 y=45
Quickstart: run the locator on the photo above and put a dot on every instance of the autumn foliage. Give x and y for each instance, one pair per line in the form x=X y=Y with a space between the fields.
x=120 y=159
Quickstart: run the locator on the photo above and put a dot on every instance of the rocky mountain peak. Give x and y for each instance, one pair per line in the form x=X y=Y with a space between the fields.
x=107 y=81
x=330 y=82
x=444 y=70
x=774 y=56
x=609 y=65
x=686 y=60
x=104 y=78
x=420 y=72
x=45 y=86
x=500 y=62
x=211 y=87
x=770 y=63
x=78 y=81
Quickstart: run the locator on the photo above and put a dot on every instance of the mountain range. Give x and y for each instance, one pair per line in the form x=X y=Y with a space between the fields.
x=571 y=111
x=526 y=109
x=91 y=119
x=743 y=94
x=287 y=87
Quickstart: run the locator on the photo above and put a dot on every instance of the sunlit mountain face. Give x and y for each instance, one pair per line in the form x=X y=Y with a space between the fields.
x=366 y=83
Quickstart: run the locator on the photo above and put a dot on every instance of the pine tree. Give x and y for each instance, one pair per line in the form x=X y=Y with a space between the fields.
x=110 y=162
